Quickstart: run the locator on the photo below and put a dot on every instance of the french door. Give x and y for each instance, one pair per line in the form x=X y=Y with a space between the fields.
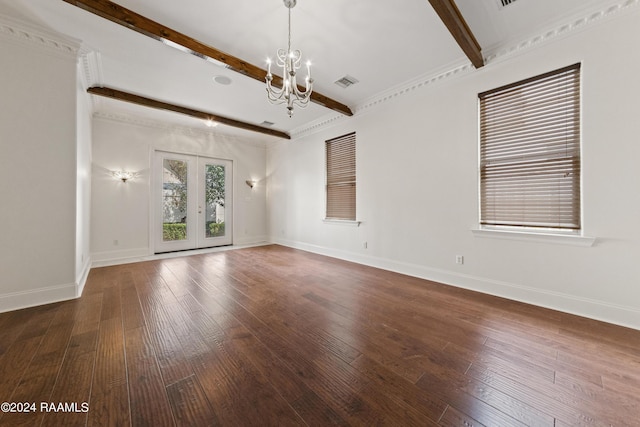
x=193 y=202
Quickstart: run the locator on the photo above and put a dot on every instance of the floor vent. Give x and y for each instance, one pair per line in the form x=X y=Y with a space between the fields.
x=346 y=81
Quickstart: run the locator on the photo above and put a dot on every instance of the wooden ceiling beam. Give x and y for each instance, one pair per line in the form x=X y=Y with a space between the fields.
x=160 y=105
x=129 y=19
x=453 y=20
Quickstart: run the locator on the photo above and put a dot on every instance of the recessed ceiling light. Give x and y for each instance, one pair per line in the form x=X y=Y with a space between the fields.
x=210 y=123
x=222 y=80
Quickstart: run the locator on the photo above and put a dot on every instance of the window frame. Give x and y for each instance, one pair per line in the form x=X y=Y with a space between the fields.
x=488 y=223
x=341 y=173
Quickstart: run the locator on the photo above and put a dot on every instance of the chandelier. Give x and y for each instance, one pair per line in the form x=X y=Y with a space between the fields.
x=289 y=60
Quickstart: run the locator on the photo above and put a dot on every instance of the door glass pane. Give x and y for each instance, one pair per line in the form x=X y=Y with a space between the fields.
x=174 y=200
x=214 y=200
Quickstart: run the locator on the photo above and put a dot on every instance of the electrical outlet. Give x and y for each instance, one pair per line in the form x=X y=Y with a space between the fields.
x=459 y=259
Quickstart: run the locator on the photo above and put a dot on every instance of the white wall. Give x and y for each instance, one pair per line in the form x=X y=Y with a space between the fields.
x=37 y=168
x=120 y=212
x=417 y=172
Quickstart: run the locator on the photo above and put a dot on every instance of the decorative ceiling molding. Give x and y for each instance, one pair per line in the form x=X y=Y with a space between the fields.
x=316 y=125
x=502 y=53
x=384 y=97
x=129 y=119
x=25 y=33
x=576 y=23
x=91 y=73
x=412 y=85
x=91 y=63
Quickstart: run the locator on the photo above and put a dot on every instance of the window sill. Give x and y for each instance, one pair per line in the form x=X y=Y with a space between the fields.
x=533 y=236
x=342 y=222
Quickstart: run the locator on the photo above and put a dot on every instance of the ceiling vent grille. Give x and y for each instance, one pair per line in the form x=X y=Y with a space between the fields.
x=505 y=3
x=346 y=81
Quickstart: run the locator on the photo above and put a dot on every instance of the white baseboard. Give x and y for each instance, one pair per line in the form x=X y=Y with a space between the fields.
x=81 y=280
x=50 y=294
x=250 y=240
x=120 y=257
x=102 y=259
x=31 y=298
x=585 y=307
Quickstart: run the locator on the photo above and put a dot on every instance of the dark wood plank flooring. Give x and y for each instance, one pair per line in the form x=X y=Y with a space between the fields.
x=274 y=336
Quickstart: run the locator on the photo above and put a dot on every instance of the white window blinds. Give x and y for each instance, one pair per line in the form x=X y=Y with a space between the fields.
x=530 y=152
x=341 y=177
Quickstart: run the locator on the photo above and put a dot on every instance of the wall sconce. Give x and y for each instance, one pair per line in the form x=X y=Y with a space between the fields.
x=124 y=176
x=251 y=183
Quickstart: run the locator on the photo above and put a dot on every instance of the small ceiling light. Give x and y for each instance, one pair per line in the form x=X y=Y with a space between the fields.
x=210 y=123
x=250 y=183
x=289 y=60
x=222 y=80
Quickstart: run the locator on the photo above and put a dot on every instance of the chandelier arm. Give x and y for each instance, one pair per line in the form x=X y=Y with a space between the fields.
x=306 y=92
x=276 y=96
x=301 y=100
x=301 y=104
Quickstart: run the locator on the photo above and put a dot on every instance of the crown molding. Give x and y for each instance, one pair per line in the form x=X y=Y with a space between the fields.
x=570 y=26
x=26 y=33
x=90 y=73
x=174 y=128
x=317 y=125
x=412 y=85
x=382 y=98
x=497 y=53
x=91 y=67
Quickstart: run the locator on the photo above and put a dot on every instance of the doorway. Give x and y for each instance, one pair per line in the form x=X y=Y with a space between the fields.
x=193 y=202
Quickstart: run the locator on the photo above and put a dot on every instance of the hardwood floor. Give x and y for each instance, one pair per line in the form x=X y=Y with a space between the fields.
x=274 y=336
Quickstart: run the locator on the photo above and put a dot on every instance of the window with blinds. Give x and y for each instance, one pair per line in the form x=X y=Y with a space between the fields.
x=341 y=177
x=530 y=152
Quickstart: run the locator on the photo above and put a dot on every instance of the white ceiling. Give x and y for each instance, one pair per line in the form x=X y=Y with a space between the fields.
x=381 y=43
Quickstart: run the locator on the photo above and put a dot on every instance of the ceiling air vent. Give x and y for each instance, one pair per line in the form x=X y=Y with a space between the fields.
x=504 y=3
x=266 y=123
x=346 y=81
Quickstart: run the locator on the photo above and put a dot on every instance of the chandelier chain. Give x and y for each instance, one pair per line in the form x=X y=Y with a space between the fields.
x=289 y=34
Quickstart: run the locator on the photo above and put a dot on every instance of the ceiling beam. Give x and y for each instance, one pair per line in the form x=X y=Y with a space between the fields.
x=453 y=20
x=160 y=105
x=129 y=19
